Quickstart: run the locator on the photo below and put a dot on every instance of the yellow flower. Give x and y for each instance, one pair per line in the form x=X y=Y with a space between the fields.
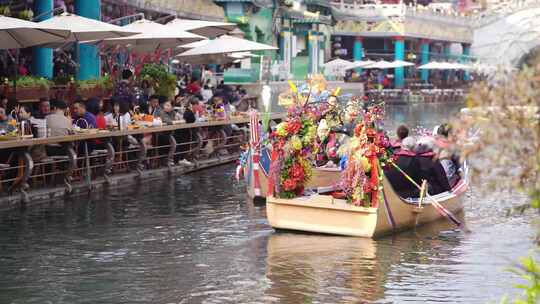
x=364 y=161
x=296 y=143
x=281 y=129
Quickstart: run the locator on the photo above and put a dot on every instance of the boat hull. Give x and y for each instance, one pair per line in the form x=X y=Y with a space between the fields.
x=322 y=177
x=324 y=214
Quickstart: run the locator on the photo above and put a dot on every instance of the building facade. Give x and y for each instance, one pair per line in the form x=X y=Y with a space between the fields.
x=307 y=32
x=400 y=32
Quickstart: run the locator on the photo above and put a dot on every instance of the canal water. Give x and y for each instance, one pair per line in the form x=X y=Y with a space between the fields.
x=197 y=239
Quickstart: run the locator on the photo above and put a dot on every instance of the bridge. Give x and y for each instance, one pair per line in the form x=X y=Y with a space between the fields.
x=508 y=34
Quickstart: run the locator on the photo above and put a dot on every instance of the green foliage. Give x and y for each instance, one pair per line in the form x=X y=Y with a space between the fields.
x=33 y=82
x=104 y=82
x=529 y=270
x=62 y=80
x=163 y=82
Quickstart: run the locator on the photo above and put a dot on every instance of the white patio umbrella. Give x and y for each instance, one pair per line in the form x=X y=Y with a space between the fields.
x=382 y=64
x=336 y=67
x=460 y=66
x=338 y=62
x=359 y=64
x=400 y=63
x=242 y=55
x=218 y=58
x=17 y=33
x=227 y=44
x=434 y=65
x=85 y=29
x=208 y=29
x=193 y=44
x=152 y=36
x=223 y=58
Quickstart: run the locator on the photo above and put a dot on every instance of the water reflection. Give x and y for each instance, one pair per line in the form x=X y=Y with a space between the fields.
x=308 y=268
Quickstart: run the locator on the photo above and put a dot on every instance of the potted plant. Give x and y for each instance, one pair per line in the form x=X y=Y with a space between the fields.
x=31 y=87
x=94 y=87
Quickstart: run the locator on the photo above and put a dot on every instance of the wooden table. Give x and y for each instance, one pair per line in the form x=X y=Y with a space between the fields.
x=18 y=143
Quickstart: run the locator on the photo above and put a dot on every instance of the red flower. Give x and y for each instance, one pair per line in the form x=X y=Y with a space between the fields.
x=293 y=127
x=358 y=130
x=297 y=172
x=289 y=184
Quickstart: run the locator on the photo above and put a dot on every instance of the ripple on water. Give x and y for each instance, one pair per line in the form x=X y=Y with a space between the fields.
x=195 y=239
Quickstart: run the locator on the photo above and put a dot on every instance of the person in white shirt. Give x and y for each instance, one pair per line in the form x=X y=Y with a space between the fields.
x=119 y=117
x=206 y=93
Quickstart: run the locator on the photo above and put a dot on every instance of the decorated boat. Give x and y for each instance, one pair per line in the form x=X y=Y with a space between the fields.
x=255 y=162
x=329 y=215
x=365 y=203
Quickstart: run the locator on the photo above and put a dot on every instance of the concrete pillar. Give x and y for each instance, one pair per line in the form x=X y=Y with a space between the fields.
x=88 y=55
x=285 y=48
x=465 y=58
x=42 y=64
x=424 y=59
x=313 y=51
x=399 y=54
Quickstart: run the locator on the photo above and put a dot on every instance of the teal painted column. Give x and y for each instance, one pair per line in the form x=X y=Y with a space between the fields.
x=88 y=55
x=358 y=51
x=358 y=48
x=399 y=54
x=447 y=55
x=465 y=58
x=424 y=59
x=42 y=64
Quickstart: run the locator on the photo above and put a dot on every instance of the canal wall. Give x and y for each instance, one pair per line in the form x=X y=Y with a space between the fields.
x=100 y=184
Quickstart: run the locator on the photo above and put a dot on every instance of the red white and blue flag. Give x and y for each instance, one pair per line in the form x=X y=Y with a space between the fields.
x=254 y=132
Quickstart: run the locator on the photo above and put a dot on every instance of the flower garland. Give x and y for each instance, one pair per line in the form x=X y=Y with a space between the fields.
x=293 y=150
x=362 y=177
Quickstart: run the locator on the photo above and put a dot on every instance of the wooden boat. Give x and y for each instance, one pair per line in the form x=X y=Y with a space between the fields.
x=322 y=177
x=324 y=214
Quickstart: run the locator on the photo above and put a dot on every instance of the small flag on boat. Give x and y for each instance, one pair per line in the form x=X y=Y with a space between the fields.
x=254 y=142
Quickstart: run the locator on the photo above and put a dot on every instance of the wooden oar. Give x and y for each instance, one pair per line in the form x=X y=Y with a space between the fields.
x=440 y=208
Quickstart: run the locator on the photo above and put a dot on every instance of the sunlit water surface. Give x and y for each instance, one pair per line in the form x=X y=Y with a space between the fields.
x=196 y=239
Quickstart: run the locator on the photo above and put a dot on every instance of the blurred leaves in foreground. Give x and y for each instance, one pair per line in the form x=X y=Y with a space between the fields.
x=499 y=134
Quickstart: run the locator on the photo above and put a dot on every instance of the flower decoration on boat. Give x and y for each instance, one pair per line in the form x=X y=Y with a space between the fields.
x=293 y=148
x=367 y=152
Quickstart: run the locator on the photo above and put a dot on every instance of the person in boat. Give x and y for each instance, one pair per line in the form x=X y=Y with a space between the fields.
x=430 y=168
x=448 y=158
x=405 y=159
x=402 y=132
x=328 y=146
